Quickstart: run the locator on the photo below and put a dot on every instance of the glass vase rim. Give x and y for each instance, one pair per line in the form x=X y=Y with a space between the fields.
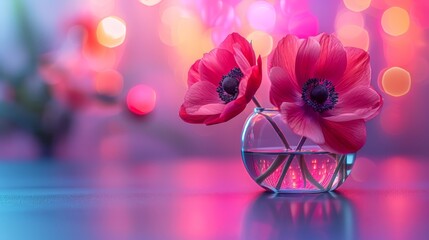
x=265 y=109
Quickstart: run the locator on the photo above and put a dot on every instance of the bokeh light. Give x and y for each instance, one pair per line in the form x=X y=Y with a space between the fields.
x=349 y=18
x=396 y=81
x=109 y=83
x=193 y=40
x=395 y=21
x=304 y=24
x=150 y=3
x=357 y=5
x=215 y=13
x=354 y=36
x=102 y=7
x=262 y=42
x=184 y=30
x=111 y=31
x=99 y=51
x=170 y=19
x=261 y=16
x=141 y=99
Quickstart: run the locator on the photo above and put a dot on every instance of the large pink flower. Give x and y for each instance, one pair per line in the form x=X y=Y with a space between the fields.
x=222 y=82
x=323 y=91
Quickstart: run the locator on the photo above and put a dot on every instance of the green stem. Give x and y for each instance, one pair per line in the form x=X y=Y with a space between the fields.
x=334 y=175
x=256 y=102
x=280 y=158
x=284 y=171
x=276 y=163
x=273 y=124
x=301 y=166
x=278 y=131
x=289 y=161
x=310 y=177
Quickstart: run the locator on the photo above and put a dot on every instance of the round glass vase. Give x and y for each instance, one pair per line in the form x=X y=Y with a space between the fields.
x=283 y=162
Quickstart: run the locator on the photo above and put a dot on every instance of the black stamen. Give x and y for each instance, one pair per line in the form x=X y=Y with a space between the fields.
x=319 y=94
x=228 y=86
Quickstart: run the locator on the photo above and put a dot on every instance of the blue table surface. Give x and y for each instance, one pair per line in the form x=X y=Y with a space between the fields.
x=207 y=199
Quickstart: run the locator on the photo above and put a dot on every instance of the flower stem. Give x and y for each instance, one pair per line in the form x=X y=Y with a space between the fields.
x=307 y=175
x=273 y=124
x=278 y=131
x=284 y=171
x=256 y=102
x=334 y=175
x=301 y=167
x=288 y=163
x=280 y=158
x=276 y=163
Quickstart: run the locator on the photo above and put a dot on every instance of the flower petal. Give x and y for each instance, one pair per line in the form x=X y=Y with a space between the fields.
x=231 y=110
x=202 y=103
x=284 y=55
x=332 y=60
x=237 y=41
x=358 y=70
x=359 y=103
x=253 y=82
x=343 y=137
x=303 y=121
x=306 y=59
x=190 y=118
x=200 y=94
x=215 y=64
x=283 y=87
x=210 y=109
x=193 y=74
x=241 y=60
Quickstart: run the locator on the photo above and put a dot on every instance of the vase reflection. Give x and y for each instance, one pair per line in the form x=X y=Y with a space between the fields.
x=300 y=216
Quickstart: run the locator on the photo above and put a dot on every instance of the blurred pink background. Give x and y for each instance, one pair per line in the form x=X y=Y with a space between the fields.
x=103 y=79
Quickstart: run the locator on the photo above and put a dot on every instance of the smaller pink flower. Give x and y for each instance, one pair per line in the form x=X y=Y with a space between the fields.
x=222 y=83
x=323 y=91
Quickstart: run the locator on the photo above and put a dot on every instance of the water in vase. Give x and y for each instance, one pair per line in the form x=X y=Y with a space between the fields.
x=297 y=171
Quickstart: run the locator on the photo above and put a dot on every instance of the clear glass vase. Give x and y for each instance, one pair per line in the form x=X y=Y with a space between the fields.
x=280 y=161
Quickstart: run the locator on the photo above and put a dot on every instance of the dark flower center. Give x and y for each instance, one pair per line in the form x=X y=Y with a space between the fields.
x=228 y=86
x=319 y=94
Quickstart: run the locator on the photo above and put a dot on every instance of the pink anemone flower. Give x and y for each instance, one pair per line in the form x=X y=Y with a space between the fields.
x=222 y=83
x=323 y=91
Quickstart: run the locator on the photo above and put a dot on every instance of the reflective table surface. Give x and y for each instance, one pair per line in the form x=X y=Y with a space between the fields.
x=207 y=199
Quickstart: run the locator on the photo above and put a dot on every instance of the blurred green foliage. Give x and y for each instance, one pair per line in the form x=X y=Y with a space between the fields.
x=26 y=102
